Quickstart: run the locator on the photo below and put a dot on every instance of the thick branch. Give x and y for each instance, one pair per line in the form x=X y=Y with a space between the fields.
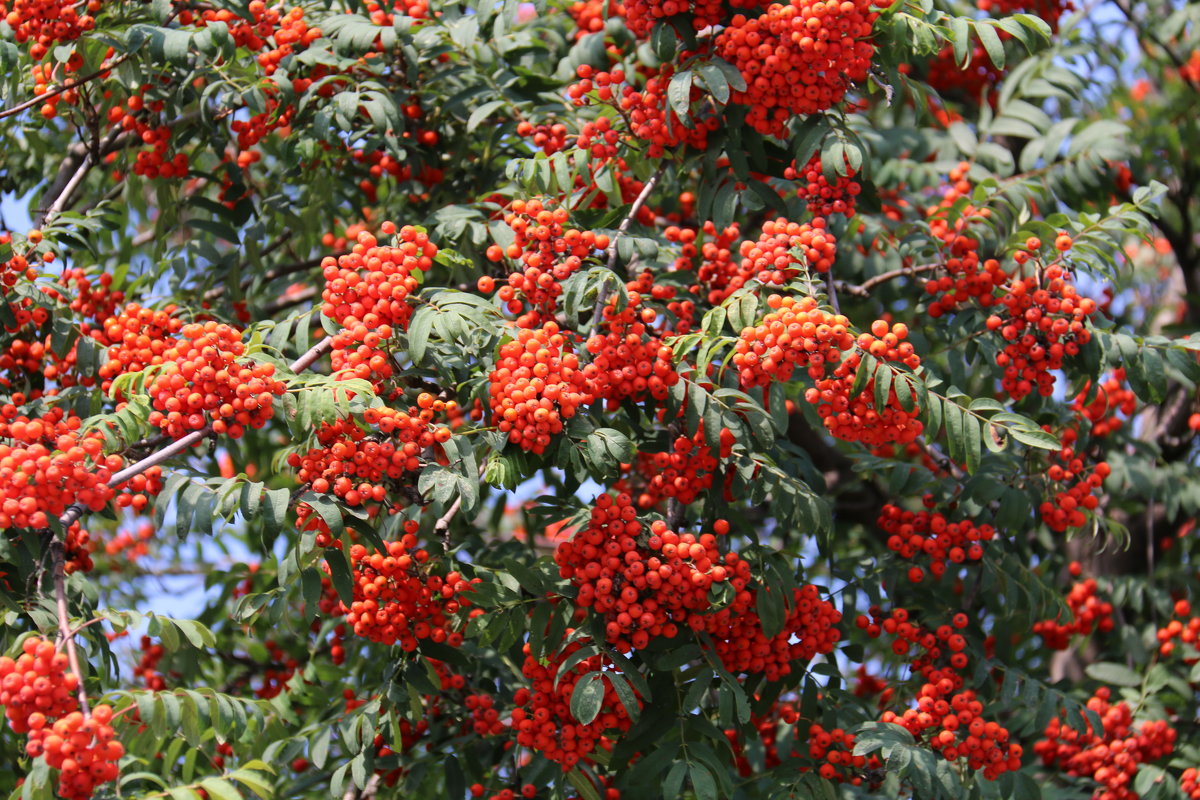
x=864 y=289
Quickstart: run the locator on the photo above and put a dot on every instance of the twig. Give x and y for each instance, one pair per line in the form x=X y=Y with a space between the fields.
x=30 y=103
x=181 y=445
x=65 y=194
x=441 y=528
x=864 y=289
x=366 y=793
x=64 y=619
x=638 y=202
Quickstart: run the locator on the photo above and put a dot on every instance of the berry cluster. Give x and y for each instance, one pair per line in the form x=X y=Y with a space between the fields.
x=549 y=138
x=46 y=464
x=1188 y=633
x=589 y=15
x=367 y=295
x=536 y=385
x=47 y=22
x=652 y=117
x=683 y=473
x=795 y=333
x=137 y=339
x=1112 y=758
x=785 y=248
x=719 y=272
x=631 y=358
x=798 y=57
x=542 y=718
x=202 y=383
x=649 y=590
x=1044 y=322
x=1112 y=397
x=640 y=15
x=822 y=197
x=930 y=533
x=856 y=418
x=38 y=694
x=397 y=601
x=1088 y=613
x=1078 y=494
x=550 y=253
x=1189 y=783
x=133 y=118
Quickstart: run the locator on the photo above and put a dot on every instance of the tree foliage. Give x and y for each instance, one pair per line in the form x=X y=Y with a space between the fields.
x=592 y=400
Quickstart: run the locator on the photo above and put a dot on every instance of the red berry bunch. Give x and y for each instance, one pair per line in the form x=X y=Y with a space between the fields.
x=651 y=589
x=766 y=726
x=785 y=248
x=1112 y=397
x=599 y=138
x=134 y=118
x=36 y=686
x=1112 y=759
x=83 y=747
x=397 y=599
x=48 y=22
x=1044 y=322
x=718 y=272
x=201 y=381
x=542 y=718
x=1088 y=613
x=147 y=666
x=798 y=57
x=16 y=268
x=931 y=534
x=549 y=138
x=824 y=198
x=46 y=465
x=417 y=9
x=683 y=473
x=856 y=419
x=1188 y=633
x=536 y=385
x=1080 y=485
x=367 y=294
x=654 y=120
x=835 y=748
x=589 y=15
x=360 y=467
x=550 y=253
x=640 y=15
x=631 y=358
x=967 y=278
x=137 y=339
x=1189 y=783
x=795 y=333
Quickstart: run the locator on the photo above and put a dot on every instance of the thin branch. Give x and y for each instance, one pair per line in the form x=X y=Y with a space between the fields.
x=638 y=202
x=65 y=193
x=864 y=289
x=181 y=445
x=64 y=620
x=441 y=528
x=30 y=103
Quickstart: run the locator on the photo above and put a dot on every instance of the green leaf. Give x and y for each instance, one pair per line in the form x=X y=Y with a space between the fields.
x=991 y=43
x=1113 y=674
x=702 y=781
x=587 y=697
x=679 y=93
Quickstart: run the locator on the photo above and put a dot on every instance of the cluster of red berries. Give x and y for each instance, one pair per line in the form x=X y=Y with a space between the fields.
x=824 y=198
x=550 y=253
x=16 y=268
x=360 y=467
x=795 y=333
x=600 y=138
x=38 y=694
x=78 y=546
x=649 y=590
x=542 y=718
x=1189 y=783
x=147 y=666
x=278 y=672
x=1186 y=632
x=396 y=600
x=536 y=385
x=798 y=57
x=718 y=272
x=589 y=15
x=137 y=339
x=653 y=118
x=682 y=473
x=202 y=383
x=930 y=533
x=836 y=749
x=856 y=419
x=945 y=74
x=785 y=248
x=46 y=465
x=629 y=355
x=1044 y=322
x=932 y=645
x=641 y=15
x=367 y=294
x=1112 y=758
x=550 y=138
x=1088 y=613
x=810 y=629
x=133 y=118
x=967 y=278
x=47 y=22
x=1112 y=397
x=1067 y=508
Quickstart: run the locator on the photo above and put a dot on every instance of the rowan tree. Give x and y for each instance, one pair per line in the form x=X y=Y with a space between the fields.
x=711 y=399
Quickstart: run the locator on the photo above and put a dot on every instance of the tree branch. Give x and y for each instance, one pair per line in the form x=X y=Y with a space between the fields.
x=864 y=289
x=33 y=101
x=64 y=619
